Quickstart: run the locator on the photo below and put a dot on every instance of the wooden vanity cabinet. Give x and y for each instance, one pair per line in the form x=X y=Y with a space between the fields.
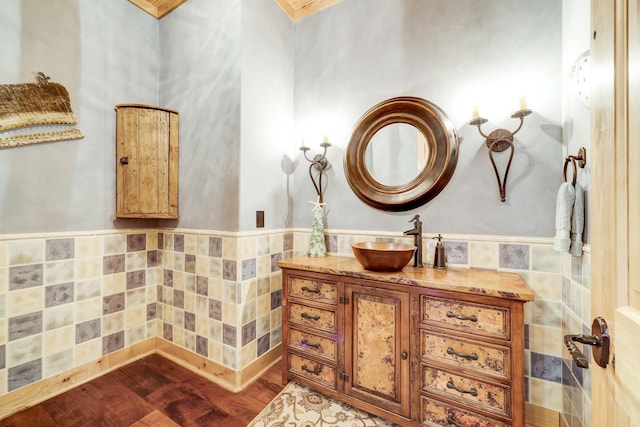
x=146 y=162
x=413 y=354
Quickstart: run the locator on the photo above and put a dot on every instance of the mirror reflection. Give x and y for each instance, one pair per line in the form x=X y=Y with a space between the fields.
x=396 y=154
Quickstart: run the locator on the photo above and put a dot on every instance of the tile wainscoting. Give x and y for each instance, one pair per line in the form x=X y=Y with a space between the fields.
x=212 y=300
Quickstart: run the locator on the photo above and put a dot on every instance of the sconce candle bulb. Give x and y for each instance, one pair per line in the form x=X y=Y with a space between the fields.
x=501 y=139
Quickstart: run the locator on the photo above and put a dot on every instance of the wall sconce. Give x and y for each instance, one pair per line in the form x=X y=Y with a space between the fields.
x=319 y=163
x=500 y=140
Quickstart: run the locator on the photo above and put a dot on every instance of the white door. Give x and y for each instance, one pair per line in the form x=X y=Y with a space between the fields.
x=615 y=207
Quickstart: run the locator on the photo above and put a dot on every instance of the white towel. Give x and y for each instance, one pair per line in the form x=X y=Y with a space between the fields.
x=564 y=209
x=577 y=222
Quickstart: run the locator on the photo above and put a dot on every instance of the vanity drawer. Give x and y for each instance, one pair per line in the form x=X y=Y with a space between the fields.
x=485 y=358
x=467 y=317
x=435 y=414
x=493 y=397
x=312 y=316
x=310 y=369
x=312 y=289
x=313 y=344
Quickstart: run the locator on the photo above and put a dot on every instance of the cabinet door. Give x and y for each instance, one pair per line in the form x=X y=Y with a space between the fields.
x=147 y=162
x=377 y=347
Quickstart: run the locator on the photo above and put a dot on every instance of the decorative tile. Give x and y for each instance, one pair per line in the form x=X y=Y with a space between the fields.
x=263 y=345
x=274 y=259
x=178 y=242
x=26 y=252
x=112 y=342
x=248 y=269
x=202 y=345
x=25 y=276
x=25 y=325
x=202 y=285
x=229 y=335
x=248 y=332
x=190 y=263
x=229 y=269
x=546 y=367
x=287 y=242
x=457 y=252
x=215 y=247
x=57 y=249
x=136 y=242
x=178 y=298
x=3 y=356
x=514 y=256
x=160 y=241
x=136 y=279
x=59 y=294
x=151 y=311
x=22 y=375
x=276 y=299
x=86 y=331
x=215 y=309
x=167 y=277
x=112 y=264
x=167 y=332
x=113 y=303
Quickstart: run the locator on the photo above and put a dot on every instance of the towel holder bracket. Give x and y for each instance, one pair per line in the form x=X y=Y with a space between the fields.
x=579 y=160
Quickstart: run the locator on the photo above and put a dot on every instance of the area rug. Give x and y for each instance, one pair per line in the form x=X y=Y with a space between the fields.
x=298 y=406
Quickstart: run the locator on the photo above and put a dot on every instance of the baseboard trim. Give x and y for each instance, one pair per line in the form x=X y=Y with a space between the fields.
x=33 y=394
x=537 y=416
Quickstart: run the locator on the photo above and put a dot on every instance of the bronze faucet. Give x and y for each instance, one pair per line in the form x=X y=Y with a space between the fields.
x=416 y=232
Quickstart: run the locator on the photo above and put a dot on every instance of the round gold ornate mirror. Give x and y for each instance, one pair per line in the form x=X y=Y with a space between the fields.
x=401 y=137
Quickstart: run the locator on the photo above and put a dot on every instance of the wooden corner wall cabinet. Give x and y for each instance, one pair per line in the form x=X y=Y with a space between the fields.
x=419 y=347
x=146 y=162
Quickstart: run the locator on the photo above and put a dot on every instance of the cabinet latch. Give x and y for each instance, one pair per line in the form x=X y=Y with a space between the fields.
x=344 y=376
x=344 y=300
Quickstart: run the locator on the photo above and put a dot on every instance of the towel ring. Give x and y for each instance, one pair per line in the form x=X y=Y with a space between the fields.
x=579 y=160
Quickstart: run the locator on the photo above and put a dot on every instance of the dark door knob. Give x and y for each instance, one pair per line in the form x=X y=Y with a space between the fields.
x=599 y=339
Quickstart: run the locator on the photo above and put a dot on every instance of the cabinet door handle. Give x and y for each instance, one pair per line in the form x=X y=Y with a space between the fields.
x=473 y=392
x=404 y=355
x=314 y=371
x=306 y=343
x=310 y=317
x=453 y=422
x=313 y=291
x=471 y=318
x=472 y=356
x=124 y=160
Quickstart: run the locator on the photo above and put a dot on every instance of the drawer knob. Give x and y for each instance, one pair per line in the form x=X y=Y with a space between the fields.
x=315 y=371
x=453 y=422
x=451 y=386
x=404 y=355
x=310 y=317
x=472 y=356
x=471 y=318
x=306 y=343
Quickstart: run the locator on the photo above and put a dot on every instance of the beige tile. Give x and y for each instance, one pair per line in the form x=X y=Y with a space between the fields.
x=178 y=261
x=57 y=363
x=276 y=243
x=136 y=261
x=23 y=350
x=229 y=248
x=190 y=244
x=190 y=302
x=249 y=290
x=3 y=330
x=58 y=317
x=4 y=280
x=178 y=336
x=214 y=330
x=263 y=265
x=88 y=351
x=276 y=317
x=88 y=267
x=136 y=316
x=88 y=288
x=3 y=305
x=178 y=280
x=25 y=301
x=276 y=281
x=202 y=245
x=215 y=268
x=247 y=312
x=546 y=340
x=88 y=309
x=484 y=255
x=4 y=254
x=135 y=334
x=263 y=305
x=263 y=245
x=546 y=285
x=545 y=393
x=89 y=247
x=215 y=288
x=248 y=247
x=215 y=351
x=59 y=272
x=248 y=354
x=114 y=244
x=114 y=284
x=136 y=297
x=202 y=325
x=113 y=323
x=26 y=251
x=263 y=325
x=229 y=313
x=545 y=258
x=57 y=340
x=3 y=381
x=202 y=265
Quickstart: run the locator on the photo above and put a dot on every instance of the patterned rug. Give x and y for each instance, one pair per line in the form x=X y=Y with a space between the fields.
x=298 y=406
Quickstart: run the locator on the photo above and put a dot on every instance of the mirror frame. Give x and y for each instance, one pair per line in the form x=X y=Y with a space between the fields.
x=442 y=140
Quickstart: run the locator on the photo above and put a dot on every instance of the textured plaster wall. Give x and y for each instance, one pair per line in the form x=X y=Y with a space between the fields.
x=458 y=55
x=105 y=52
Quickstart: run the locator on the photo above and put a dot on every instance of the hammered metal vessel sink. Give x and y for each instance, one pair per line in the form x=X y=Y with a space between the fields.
x=383 y=256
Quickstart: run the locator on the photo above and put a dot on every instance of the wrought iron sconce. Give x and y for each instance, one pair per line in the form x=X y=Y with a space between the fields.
x=500 y=140
x=320 y=163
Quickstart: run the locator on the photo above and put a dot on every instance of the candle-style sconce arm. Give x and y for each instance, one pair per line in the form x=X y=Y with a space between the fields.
x=320 y=163
x=499 y=140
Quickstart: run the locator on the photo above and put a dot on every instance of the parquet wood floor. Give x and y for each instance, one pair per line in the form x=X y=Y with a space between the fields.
x=152 y=391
